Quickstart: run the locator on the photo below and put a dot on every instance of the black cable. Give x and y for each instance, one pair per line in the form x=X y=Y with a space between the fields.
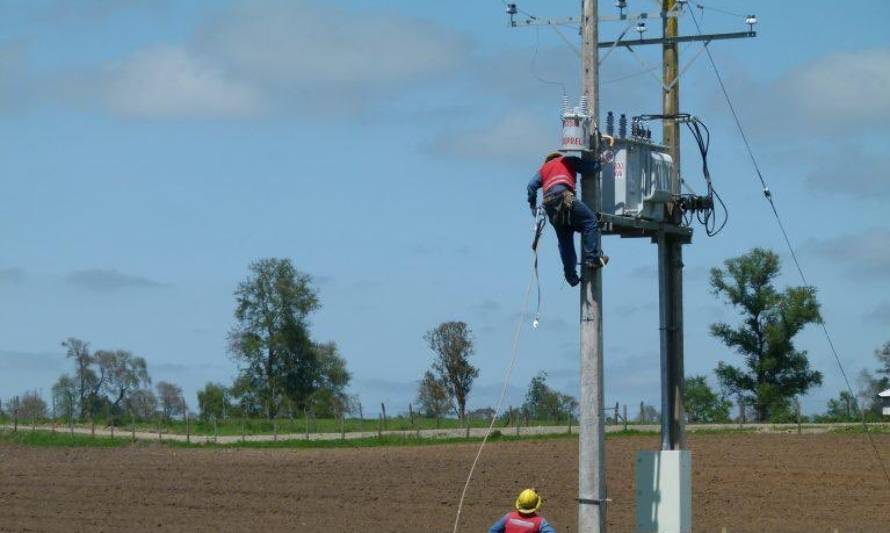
x=772 y=203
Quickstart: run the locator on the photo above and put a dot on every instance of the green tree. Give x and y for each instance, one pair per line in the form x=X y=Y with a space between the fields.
x=702 y=404
x=452 y=343
x=433 y=397
x=544 y=403
x=329 y=398
x=171 y=399
x=141 y=404
x=120 y=373
x=65 y=395
x=271 y=336
x=213 y=401
x=844 y=408
x=775 y=370
x=85 y=377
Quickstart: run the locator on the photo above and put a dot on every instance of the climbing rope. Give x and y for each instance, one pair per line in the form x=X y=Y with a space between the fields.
x=538 y=229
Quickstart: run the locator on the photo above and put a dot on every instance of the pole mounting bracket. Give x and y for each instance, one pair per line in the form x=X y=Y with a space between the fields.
x=594 y=501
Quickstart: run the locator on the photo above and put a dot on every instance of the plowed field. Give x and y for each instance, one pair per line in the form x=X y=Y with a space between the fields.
x=740 y=482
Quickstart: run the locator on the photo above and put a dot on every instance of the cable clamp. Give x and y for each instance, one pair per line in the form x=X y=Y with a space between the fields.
x=592 y=501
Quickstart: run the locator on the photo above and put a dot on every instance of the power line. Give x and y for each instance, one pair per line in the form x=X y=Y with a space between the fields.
x=769 y=197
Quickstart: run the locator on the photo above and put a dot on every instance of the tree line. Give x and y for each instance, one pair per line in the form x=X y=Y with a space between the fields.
x=283 y=371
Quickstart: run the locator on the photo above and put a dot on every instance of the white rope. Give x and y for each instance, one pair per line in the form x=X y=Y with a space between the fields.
x=497 y=408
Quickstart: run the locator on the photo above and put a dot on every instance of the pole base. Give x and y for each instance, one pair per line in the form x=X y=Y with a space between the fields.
x=664 y=491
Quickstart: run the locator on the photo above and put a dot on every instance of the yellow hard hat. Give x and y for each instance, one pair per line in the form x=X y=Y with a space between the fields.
x=528 y=502
x=553 y=155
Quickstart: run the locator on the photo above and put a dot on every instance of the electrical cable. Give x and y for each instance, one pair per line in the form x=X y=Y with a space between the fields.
x=533 y=66
x=769 y=197
x=497 y=409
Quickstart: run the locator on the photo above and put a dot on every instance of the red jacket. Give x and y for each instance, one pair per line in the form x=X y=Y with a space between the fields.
x=557 y=171
x=518 y=523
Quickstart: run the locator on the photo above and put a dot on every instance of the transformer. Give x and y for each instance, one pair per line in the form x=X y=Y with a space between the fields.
x=575 y=127
x=637 y=181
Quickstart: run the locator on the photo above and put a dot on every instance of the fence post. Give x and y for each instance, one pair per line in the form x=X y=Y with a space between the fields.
x=361 y=413
x=71 y=424
x=15 y=420
x=625 y=417
x=93 y=426
x=570 y=424
x=274 y=429
x=159 y=428
x=132 y=426
x=516 y=421
x=411 y=414
x=616 y=412
x=383 y=409
x=797 y=410
x=306 y=419
x=741 y=412
x=243 y=436
x=380 y=427
x=642 y=413
x=342 y=427
x=188 y=429
x=215 y=430
x=467 y=424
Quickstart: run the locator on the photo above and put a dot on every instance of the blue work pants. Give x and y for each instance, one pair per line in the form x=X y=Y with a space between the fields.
x=566 y=222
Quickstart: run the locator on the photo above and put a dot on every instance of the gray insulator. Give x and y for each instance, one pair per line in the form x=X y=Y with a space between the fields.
x=622 y=126
x=610 y=124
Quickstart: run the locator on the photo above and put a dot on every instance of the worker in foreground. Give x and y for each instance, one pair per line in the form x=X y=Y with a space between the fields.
x=525 y=518
x=567 y=213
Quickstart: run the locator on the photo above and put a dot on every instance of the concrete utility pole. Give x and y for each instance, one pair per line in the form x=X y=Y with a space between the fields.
x=670 y=256
x=591 y=446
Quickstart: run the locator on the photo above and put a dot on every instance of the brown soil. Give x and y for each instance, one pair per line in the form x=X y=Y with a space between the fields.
x=740 y=482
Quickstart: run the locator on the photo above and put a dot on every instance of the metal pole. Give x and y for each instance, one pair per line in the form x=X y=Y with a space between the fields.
x=591 y=445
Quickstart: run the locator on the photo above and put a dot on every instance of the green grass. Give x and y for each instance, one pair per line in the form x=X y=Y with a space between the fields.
x=42 y=438
x=259 y=426
x=858 y=429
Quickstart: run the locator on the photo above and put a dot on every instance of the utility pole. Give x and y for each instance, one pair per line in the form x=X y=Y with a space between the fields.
x=670 y=255
x=663 y=478
x=591 y=445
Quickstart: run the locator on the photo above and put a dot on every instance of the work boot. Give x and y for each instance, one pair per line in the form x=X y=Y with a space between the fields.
x=598 y=262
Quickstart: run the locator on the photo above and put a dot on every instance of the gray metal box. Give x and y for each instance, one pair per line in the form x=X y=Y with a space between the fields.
x=637 y=182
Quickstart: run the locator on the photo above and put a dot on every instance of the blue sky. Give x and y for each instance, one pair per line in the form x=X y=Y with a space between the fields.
x=152 y=149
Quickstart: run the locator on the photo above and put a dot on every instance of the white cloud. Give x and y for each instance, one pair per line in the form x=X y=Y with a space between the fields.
x=840 y=93
x=507 y=138
x=104 y=280
x=303 y=43
x=866 y=255
x=851 y=171
x=847 y=85
x=172 y=82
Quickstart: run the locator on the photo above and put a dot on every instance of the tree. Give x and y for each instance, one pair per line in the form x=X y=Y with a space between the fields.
x=433 y=397
x=120 y=372
x=65 y=395
x=702 y=404
x=31 y=406
x=171 y=399
x=648 y=414
x=844 y=408
x=453 y=345
x=329 y=398
x=142 y=404
x=84 y=376
x=213 y=401
x=271 y=336
x=544 y=403
x=776 y=371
